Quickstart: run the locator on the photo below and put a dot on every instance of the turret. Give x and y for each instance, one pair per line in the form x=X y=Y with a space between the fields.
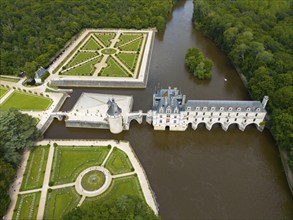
x=265 y=101
x=114 y=117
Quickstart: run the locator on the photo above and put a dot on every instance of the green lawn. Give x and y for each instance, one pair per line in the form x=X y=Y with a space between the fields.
x=91 y=44
x=129 y=59
x=35 y=168
x=81 y=57
x=133 y=46
x=8 y=79
x=118 y=162
x=60 y=202
x=105 y=38
x=3 y=91
x=113 y=69
x=124 y=38
x=70 y=161
x=86 y=69
x=27 y=206
x=93 y=180
x=120 y=186
x=23 y=101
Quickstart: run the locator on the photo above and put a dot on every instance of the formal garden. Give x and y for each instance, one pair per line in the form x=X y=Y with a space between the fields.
x=36 y=165
x=27 y=206
x=105 y=54
x=26 y=102
x=68 y=163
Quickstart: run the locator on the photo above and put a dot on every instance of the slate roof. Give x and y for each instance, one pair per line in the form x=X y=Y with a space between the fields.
x=217 y=104
x=40 y=72
x=113 y=108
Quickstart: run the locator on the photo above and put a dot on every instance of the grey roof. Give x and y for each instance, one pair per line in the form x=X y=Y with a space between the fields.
x=217 y=104
x=113 y=108
x=168 y=99
x=40 y=72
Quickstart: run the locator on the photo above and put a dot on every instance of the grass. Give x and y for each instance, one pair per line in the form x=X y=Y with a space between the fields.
x=133 y=46
x=118 y=162
x=8 y=79
x=124 y=38
x=27 y=206
x=23 y=101
x=3 y=91
x=91 y=44
x=60 y=202
x=81 y=57
x=70 y=161
x=86 y=69
x=119 y=187
x=93 y=180
x=129 y=59
x=35 y=168
x=105 y=38
x=113 y=69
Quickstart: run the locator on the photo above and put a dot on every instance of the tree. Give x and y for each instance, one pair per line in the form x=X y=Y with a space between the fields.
x=197 y=64
x=125 y=207
x=17 y=132
x=7 y=173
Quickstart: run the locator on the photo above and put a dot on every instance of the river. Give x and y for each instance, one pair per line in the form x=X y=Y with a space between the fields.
x=198 y=174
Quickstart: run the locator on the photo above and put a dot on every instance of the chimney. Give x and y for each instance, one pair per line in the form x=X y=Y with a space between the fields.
x=265 y=101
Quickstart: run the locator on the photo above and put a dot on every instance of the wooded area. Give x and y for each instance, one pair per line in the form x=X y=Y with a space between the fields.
x=32 y=32
x=257 y=36
x=197 y=64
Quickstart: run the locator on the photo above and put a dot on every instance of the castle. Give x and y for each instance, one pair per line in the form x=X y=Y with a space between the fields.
x=170 y=110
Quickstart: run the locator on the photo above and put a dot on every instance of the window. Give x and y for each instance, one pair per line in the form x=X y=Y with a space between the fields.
x=220 y=114
x=254 y=120
x=211 y=114
x=197 y=108
x=218 y=119
x=205 y=108
x=213 y=108
x=204 y=113
x=246 y=114
x=237 y=114
x=222 y=109
x=196 y=113
x=160 y=121
x=230 y=109
x=161 y=116
x=202 y=118
x=248 y=109
x=188 y=108
x=175 y=121
x=256 y=115
x=235 y=119
x=211 y=120
x=257 y=109
x=238 y=109
x=227 y=120
x=175 y=116
x=245 y=121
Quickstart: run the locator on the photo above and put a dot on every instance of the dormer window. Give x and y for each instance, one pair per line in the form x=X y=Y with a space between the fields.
x=248 y=109
x=205 y=108
x=168 y=110
x=161 y=110
x=258 y=109
x=222 y=109
x=230 y=109
x=238 y=109
x=213 y=108
x=188 y=108
x=176 y=110
x=197 y=108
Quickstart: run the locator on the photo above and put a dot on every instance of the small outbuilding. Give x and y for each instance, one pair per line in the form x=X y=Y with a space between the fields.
x=39 y=74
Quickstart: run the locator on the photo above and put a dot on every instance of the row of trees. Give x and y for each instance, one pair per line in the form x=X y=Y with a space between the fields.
x=257 y=36
x=125 y=207
x=17 y=133
x=32 y=32
x=197 y=64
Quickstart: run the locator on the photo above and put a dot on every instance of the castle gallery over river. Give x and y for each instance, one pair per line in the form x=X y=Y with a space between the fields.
x=171 y=110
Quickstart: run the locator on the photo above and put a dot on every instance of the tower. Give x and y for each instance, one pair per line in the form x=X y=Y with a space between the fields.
x=114 y=117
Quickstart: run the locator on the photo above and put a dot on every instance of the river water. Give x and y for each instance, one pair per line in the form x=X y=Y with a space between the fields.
x=198 y=174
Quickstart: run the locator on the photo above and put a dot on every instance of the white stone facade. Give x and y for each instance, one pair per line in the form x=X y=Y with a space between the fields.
x=170 y=110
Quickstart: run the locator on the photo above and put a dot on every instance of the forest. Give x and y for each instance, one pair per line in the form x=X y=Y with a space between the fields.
x=257 y=37
x=34 y=31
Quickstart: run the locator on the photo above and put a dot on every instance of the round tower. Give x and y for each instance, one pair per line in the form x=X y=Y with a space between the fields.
x=114 y=117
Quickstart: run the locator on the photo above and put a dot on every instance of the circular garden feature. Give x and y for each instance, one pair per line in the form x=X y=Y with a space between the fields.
x=109 y=51
x=93 y=180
